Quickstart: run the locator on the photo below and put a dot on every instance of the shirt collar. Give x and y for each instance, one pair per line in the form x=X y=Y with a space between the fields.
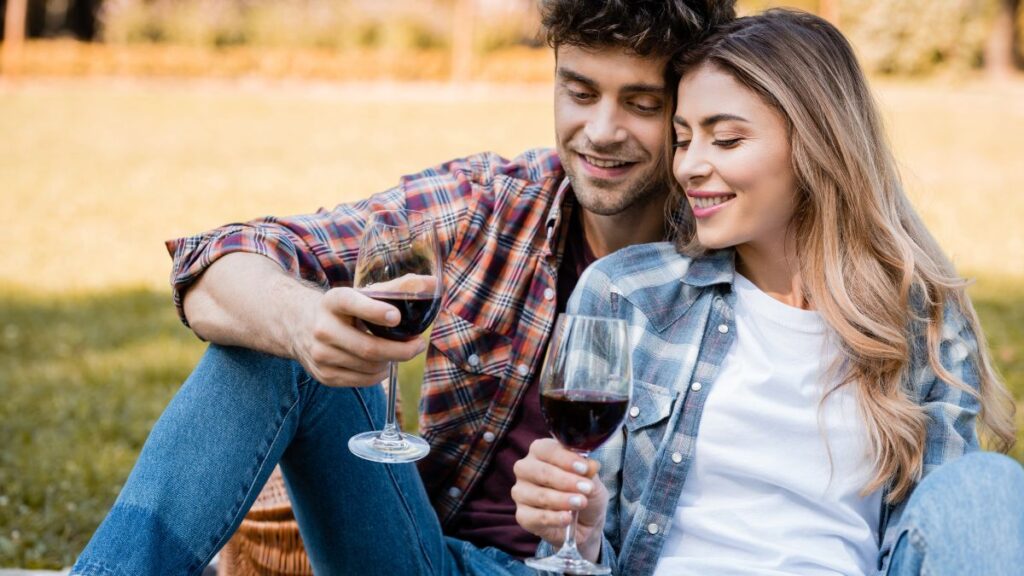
x=665 y=302
x=559 y=206
x=564 y=189
x=716 y=267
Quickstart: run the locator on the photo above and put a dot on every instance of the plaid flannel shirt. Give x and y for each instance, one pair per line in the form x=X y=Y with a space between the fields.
x=680 y=314
x=498 y=226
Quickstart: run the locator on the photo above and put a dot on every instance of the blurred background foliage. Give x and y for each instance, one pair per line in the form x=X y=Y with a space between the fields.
x=904 y=37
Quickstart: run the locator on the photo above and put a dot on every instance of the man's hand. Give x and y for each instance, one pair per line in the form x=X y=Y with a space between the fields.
x=247 y=300
x=550 y=482
x=331 y=345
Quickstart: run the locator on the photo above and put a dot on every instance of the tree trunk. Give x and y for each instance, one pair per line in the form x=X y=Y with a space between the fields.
x=14 y=37
x=462 y=40
x=1001 y=48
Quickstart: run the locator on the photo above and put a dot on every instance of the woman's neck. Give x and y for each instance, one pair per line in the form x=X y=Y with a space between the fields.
x=775 y=270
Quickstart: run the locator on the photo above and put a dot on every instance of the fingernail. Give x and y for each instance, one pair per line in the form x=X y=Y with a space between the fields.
x=393 y=317
x=575 y=501
x=422 y=347
x=579 y=467
x=584 y=486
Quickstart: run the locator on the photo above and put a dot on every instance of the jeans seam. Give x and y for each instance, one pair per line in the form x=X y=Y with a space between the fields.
x=92 y=567
x=401 y=495
x=918 y=542
x=238 y=513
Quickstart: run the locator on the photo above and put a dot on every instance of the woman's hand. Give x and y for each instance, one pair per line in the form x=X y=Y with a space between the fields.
x=551 y=482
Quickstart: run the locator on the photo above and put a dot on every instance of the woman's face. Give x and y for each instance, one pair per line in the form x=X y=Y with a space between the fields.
x=732 y=158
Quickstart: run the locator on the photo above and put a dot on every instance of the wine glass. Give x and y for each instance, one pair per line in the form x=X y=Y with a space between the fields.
x=585 y=389
x=398 y=264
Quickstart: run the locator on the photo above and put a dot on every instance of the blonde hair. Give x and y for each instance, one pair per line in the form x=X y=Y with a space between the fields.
x=860 y=242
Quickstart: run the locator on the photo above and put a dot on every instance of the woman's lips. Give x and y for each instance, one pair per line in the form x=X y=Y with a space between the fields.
x=704 y=204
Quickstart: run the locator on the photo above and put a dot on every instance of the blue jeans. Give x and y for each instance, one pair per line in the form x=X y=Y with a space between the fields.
x=242 y=412
x=238 y=415
x=966 y=517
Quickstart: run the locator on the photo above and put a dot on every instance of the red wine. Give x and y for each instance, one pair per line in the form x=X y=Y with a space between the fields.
x=417 y=310
x=583 y=419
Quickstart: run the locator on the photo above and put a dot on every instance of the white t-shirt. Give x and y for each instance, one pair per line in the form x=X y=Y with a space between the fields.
x=762 y=496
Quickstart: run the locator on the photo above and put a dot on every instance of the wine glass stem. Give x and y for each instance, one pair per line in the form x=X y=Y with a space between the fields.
x=391 y=431
x=569 y=546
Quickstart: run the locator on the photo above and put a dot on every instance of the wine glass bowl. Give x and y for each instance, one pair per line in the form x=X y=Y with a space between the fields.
x=585 y=388
x=398 y=264
x=582 y=420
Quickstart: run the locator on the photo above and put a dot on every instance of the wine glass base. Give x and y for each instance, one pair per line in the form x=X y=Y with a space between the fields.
x=567 y=565
x=371 y=446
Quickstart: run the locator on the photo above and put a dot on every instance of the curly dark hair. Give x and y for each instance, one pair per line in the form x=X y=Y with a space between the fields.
x=644 y=27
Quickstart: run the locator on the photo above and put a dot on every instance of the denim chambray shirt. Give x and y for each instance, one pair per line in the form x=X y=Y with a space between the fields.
x=681 y=321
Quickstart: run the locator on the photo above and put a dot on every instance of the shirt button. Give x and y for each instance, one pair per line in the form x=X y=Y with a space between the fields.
x=677 y=457
x=473 y=360
x=523 y=369
x=454 y=492
x=549 y=294
x=696 y=386
x=723 y=328
x=488 y=437
x=652 y=528
x=634 y=411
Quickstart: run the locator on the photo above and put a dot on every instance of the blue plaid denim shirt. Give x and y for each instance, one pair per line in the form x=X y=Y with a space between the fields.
x=680 y=313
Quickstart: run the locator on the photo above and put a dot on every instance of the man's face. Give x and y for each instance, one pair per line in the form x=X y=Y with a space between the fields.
x=610 y=124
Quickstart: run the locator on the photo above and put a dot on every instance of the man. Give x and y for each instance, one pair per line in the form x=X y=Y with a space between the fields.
x=291 y=374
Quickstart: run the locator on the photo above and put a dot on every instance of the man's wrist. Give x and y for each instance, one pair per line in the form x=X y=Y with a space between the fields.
x=296 y=314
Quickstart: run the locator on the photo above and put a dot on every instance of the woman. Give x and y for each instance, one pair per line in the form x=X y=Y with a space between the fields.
x=808 y=369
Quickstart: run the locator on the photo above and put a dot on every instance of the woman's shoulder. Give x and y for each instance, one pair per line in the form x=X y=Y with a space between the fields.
x=637 y=262
x=637 y=273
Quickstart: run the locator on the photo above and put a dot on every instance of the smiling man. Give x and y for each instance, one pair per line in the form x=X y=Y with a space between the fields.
x=291 y=372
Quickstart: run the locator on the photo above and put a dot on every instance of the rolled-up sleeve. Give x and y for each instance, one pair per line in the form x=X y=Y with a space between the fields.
x=322 y=247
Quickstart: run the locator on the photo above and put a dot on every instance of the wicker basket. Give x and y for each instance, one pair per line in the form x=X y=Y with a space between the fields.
x=268 y=542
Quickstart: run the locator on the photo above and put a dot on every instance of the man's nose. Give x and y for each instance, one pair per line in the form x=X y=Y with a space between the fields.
x=605 y=125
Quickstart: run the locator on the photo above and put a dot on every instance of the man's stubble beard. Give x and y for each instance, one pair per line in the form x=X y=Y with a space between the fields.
x=600 y=198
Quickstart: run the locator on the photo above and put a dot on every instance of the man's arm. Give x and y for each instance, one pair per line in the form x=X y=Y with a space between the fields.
x=245 y=299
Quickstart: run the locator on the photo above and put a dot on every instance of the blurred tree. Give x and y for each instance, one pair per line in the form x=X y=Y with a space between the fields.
x=45 y=19
x=463 y=15
x=14 y=36
x=918 y=36
x=80 y=18
x=1001 y=56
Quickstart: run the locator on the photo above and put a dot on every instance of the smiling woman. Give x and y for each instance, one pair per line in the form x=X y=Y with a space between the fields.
x=733 y=162
x=810 y=374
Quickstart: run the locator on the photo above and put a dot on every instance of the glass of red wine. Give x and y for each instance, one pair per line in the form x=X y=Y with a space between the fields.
x=399 y=264
x=584 y=394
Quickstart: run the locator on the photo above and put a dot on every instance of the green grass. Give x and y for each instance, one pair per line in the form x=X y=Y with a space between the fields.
x=95 y=175
x=84 y=380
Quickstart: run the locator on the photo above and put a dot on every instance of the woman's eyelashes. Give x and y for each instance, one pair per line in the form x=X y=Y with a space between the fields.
x=684 y=143
x=727 y=142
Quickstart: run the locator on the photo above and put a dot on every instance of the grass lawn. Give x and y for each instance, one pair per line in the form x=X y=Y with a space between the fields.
x=95 y=175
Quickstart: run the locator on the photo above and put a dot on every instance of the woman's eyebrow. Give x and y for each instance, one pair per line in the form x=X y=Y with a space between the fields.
x=710 y=120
